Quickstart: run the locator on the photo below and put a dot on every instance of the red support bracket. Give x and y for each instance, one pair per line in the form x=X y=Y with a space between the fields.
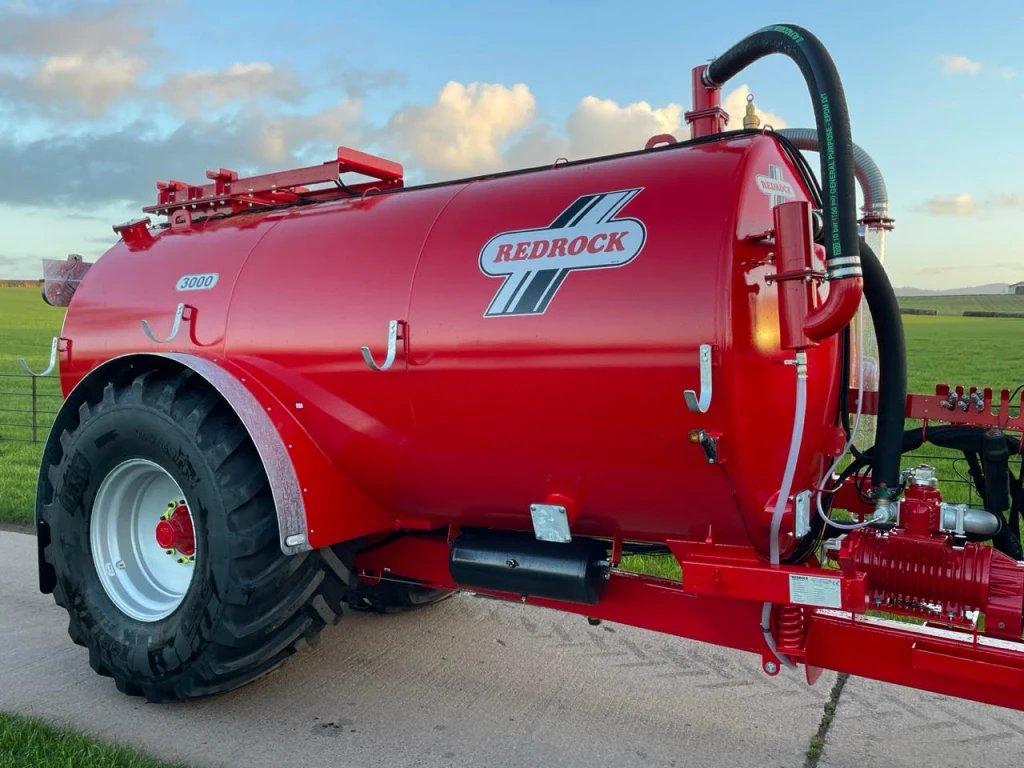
x=136 y=234
x=739 y=573
x=948 y=404
x=230 y=194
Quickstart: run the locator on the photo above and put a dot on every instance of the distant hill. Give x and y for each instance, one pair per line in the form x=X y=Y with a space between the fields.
x=954 y=304
x=974 y=290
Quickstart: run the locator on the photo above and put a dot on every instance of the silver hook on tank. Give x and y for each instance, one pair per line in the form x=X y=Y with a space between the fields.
x=692 y=402
x=53 y=361
x=390 y=359
x=174 y=328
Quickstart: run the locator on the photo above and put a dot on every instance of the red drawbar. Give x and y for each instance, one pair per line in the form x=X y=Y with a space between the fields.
x=724 y=590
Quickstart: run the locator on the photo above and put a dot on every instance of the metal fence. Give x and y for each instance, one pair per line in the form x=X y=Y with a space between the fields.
x=953 y=470
x=28 y=405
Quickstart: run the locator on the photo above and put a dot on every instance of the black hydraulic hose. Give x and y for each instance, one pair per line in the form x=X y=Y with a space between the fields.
x=995 y=454
x=958 y=438
x=892 y=364
x=833 y=123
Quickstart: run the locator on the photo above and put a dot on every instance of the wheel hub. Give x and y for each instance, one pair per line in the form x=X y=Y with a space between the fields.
x=174 y=532
x=143 y=547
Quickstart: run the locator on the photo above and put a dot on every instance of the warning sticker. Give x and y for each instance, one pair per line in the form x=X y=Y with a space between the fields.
x=815 y=590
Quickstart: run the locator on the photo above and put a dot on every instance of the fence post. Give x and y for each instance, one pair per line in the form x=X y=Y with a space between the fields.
x=34 y=410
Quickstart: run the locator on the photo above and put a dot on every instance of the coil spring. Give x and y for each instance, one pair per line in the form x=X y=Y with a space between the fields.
x=790 y=628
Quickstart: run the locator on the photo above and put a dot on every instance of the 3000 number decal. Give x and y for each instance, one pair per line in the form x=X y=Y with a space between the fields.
x=197 y=282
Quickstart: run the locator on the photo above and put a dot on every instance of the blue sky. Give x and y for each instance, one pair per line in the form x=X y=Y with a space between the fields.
x=99 y=100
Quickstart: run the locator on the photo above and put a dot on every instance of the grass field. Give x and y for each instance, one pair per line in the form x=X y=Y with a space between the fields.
x=31 y=743
x=955 y=305
x=27 y=326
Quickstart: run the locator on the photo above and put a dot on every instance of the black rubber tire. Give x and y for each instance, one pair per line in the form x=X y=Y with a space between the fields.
x=248 y=607
x=394 y=597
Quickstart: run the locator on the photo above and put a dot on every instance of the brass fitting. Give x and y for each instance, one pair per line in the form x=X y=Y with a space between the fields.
x=750 y=119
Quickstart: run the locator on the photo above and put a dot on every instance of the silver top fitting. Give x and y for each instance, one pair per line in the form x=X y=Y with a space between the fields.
x=922 y=474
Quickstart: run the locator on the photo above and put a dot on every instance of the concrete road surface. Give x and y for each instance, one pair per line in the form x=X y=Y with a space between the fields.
x=477 y=682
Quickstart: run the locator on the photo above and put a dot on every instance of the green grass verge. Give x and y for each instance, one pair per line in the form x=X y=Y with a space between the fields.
x=27 y=326
x=979 y=351
x=970 y=351
x=665 y=566
x=955 y=305
x=31 y=743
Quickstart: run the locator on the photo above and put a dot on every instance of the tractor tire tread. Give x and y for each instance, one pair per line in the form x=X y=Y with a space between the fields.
x=271 y=606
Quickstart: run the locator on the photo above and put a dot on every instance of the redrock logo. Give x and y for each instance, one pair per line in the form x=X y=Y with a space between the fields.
x=775 y=186
x=534 y=262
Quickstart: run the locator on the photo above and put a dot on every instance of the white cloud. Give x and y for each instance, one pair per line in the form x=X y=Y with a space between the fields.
x=88 y=29
x=464 y=128
x=194 y=91
x=959 y=65
x=76 y=62
x=601 y=127
x=486 y=127
x=951 y=205
x=93 y=80
x=280 y=140
x=962 y=65
x=1011 y=200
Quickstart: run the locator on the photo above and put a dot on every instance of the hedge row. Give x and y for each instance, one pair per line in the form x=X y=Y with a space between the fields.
x=987 y=313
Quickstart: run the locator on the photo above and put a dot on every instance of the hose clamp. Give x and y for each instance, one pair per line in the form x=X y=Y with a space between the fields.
x=842 y=274
x=707 y=80
x=843 y=267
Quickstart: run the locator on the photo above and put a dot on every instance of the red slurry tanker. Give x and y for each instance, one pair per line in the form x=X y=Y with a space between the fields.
x=289 y=398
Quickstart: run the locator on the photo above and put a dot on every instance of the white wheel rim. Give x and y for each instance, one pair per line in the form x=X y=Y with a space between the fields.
x=143 y=579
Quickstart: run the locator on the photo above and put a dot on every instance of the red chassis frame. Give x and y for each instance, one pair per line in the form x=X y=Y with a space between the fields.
x=724 y=589
x=720 y=601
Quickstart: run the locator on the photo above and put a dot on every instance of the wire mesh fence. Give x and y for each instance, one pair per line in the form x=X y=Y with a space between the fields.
x=28 y=405
x=953 y=472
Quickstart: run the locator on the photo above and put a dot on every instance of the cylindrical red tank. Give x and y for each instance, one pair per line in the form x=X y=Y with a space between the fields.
x=552 y=322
